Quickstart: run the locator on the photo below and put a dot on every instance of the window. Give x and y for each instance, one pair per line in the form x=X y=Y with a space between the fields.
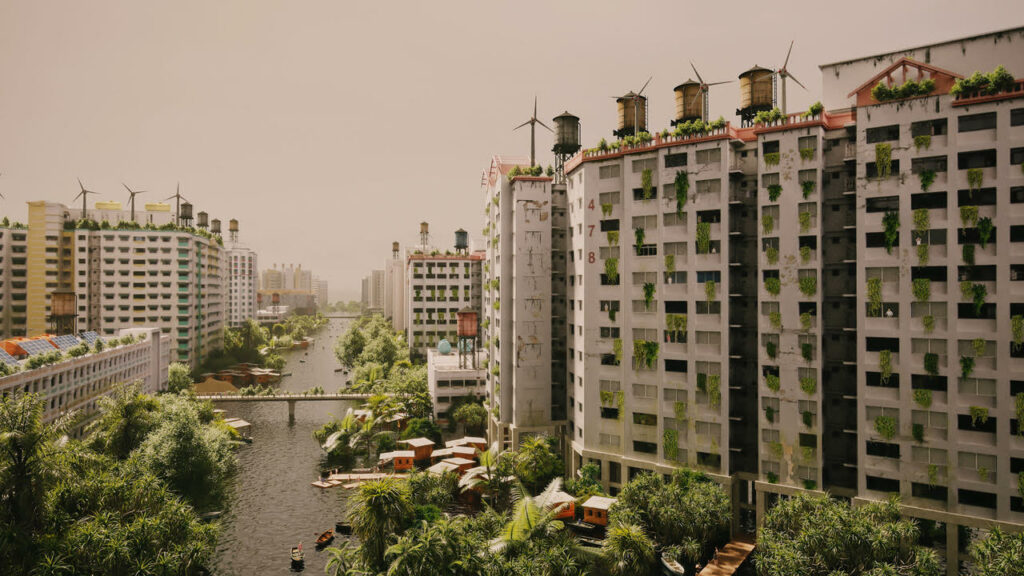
x=609 y=171
x=770 y=179
x=646 y=391
x=644 y=164
x=645 y=222
x=645 y=447
x=709 y=186
x=610 y=197
x=1017 y=117
x=710 y=156
x=677 y=248
x=871 y=169
x=808 y=143
x=645 y=419
x=973 y=122
x=673 y=219
x=976 y=159
x=933 y=163
x=609 y=331
x=674 y=395
x=770 y=147
x=609 y=440
x=674 y=160
x=883 y=133
x=882 y=204
x=936 y=127
x=609 y=252
x=1016 y=156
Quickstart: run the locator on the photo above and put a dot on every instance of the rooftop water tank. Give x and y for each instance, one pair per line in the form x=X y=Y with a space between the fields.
x=689 y=103
x=567 y=133
x=461 y=240
x=756 y=88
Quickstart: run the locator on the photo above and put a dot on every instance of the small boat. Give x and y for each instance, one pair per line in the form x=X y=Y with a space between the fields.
x=297 y=556
x=207 y=517
x=670 y=567
x=343 y=527
x=325 y=539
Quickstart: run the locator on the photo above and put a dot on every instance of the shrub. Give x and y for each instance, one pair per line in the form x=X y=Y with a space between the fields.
x=931 y=363
x=773 y=286
x=808 y=286
x=774 y=191
x=885 y=426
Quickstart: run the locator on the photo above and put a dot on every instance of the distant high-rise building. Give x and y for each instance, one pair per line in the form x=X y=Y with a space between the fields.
x=394 y=290
x=322 y=294
x=242 y=263
x=436 y=287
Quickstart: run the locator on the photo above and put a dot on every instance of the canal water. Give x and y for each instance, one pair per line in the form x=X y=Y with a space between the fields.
x=273 y=505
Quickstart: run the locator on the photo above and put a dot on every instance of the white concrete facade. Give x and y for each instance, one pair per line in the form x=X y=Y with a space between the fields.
x=438 y=286
x=448 y=382
x=394 y=293
x=243 y=284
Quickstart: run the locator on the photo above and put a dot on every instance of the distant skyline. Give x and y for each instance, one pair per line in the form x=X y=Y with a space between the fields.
x=331 y=129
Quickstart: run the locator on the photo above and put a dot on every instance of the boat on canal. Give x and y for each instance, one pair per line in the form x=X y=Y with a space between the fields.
x=298 y=558
x=325 y=539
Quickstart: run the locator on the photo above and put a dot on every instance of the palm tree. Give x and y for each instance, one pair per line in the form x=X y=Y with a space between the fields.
x=126 y=417
x=382 y=509
x=491 y=477
x=628 y=549
x=344 y=561
x=532 y=517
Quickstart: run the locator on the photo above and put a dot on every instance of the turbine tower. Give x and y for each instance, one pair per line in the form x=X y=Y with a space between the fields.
x=177 y=204
x=131 y=197
x=533 y=121
x=783 y=74
x=85 y=195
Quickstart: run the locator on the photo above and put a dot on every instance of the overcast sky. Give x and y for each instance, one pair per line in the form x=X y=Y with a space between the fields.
x=330 y=129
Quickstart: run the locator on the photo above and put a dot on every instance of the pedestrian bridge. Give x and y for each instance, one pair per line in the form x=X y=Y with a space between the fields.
x=291 y=399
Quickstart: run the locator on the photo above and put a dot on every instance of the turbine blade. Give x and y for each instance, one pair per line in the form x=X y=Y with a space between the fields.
x=787 y=54
x=534 y=105
x=699 y=79
x=80 y=185
x=523 y=124
x=645 y=86
x=723 y=82
x=793 y=78
x=127 y=188
x=546 y=126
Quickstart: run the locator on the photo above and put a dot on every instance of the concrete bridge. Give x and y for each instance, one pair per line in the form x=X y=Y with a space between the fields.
x=291 y=399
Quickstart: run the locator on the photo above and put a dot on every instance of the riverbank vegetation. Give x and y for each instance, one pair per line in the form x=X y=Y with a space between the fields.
x=124 y=499
x=251 y=343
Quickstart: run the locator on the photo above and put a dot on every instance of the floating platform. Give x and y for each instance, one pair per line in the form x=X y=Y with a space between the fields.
x=350 y=480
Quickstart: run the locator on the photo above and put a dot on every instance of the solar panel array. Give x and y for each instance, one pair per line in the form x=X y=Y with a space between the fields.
x=66 y=341
x=90 y=337
x=7 y=358
x=34 y=347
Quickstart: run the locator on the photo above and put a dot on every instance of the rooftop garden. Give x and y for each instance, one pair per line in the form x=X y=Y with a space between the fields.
x=90 y=224
x=686 y=129
x=995 y=82
x=56 y=356
x=909 y=89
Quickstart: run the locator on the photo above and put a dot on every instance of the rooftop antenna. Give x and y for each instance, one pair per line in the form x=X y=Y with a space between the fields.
x=177 y=204
x=84 y=194
x=532 y=122
x=131 y=197
x=635 y=97
x=783 y=74
x=703 y=92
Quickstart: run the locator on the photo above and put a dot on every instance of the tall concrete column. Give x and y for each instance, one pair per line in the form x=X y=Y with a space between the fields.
x=759 y=499
x=952 y=549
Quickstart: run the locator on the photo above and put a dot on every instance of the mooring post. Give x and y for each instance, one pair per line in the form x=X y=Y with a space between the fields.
x=291 y=411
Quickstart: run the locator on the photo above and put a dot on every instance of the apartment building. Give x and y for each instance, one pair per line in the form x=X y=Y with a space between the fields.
x=394 y=290
x=126 y=274
x=75 y=383
x=523 y=280
x=451 y=379
x=320 y=289
x=437 y=286
x=13 y=279
x=813 y=301
x=242 y=267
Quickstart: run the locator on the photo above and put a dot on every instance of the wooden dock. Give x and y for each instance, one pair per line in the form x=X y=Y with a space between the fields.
x=728 y=559
x=350 y=480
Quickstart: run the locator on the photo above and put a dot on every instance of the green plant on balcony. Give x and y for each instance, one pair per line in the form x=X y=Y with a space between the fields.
x=805 y=221
x=772 y=382
x=810 y=484
x=645 y=353
x=714 y=390
x=983 y=473
x=978 y=345
x=968 y=254
x=807 y=351
x=613 y=237
x=931 y=363
x=923 y=397
x=975 y=178
x=885 y=426
x=776 y=448
x=928 y=321
x=774 y=191
x=496 y=370
x=815 y=110
x=772 y=349
x=922 y=141
x=808 y=286
x=607 y=398
x=806 y=320
x=679 y=410
x=649 y=289
x=809 y=385
x=966 y=366
x=808 y=418
x=682 y=184
x=922 y=220
x=807 y=187
x=927 y=178
x=645 y=183
x=1018 y=401
x=805 y=254
x=670 y=441
x=969 y=216
x=611 y=270
x=611 y=313
x=979 y=415
x=670 y=263
x=807 y=452
x=497 y=304
x=617 y=350
x=771 y=477
x=985 y=228
x=702 y=382
x=710 y=288
x=933 y=475
x=773 y=286
x=703 y=237
x=638 y=238
x=606 y=209
x=922 y=289
x=676 y=324
x=772 y=254
x=767 y=223
x=769 y=413
x=882 y=92
x=775 y=318
x=999 y=80
x=883 y=159
x=874 y=289
x=620 y=401
x=769 y=116
x=917 y=432
x=978 y=294
x=807 y=153
x=1017 y=331
x=771 y=159
x=885 y=365
x=891 y=226
x=922 y=254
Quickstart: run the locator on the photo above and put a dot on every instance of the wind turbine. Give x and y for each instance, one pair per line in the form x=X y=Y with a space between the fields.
x=177 y=204
x=84 y=194
x=533 y=121
x=635 y=97
x=703 y=92
x=131 y=198
x=783 y=74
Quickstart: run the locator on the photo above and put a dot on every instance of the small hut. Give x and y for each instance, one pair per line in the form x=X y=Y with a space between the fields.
x=595 y=510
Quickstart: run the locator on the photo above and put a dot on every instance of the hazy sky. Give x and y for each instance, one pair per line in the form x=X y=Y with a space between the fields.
x=330 y=129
